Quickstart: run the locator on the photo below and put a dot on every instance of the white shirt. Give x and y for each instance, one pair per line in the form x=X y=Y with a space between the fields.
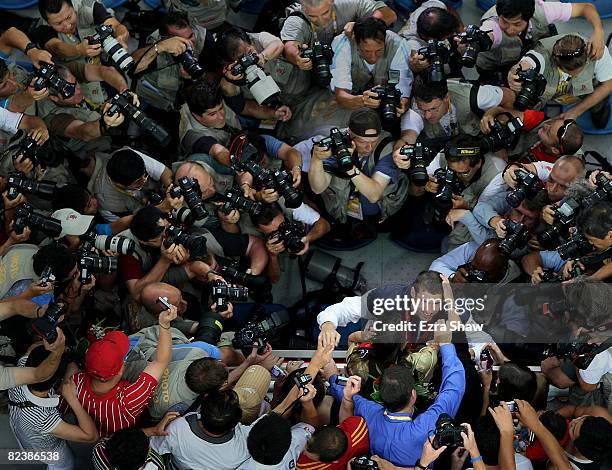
x=410 y=28
x=600 y=366
x=342 y=63
x=306 y=214
x=603 y=67
x=343 y=313
x=488 y=97
x=9 y=121
x=497 y=184
x=435 y=163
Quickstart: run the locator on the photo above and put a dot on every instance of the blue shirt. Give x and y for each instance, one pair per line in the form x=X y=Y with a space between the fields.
x=396 y=436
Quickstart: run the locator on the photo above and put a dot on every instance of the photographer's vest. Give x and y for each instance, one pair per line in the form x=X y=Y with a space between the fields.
x=160 y=87
x=364 y=79
x=510 y=49
x=576 y=88
x=293 y=82
x=140 y=254
x=16 y=265
x=207 y=13
x=336 y=195
x=463 y=113
x=190 y=130
x=83 y=9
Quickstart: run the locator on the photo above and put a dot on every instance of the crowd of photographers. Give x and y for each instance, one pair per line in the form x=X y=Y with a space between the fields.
x=153 y=194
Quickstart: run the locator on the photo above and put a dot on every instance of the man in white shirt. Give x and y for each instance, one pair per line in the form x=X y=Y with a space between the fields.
x=11 y=122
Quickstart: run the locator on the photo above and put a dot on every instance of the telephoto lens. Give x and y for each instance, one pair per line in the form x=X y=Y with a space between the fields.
x=532 y=88
x=118 y=244
x=190 y=64
x=17 y=183
x=118 y=55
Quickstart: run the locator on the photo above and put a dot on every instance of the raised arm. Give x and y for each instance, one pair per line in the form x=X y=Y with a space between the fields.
x=163 y=354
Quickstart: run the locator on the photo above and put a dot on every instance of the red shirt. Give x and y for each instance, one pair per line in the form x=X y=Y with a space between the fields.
x=532 y=119
x=119 y=408
x=358 y=444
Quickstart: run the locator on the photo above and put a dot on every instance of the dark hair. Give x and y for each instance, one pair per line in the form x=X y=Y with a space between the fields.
x=566 y=52
x=269 y=439
x=35 y=358
x=516 y=382
x=220 y=412
x=396 y=387
x=513 y=8
x=555 y=423
x=61 y=260
x=228 y=44
x=51 y=6
x=596 y=220
x=436 y=23
x=267 y=214
x=125 y=166
x=487 y=438
x=594 y=439
x=127 y=449
x=329 y=443
x=178 y=19
x=428 y=281
x=145 y=224
x=3 y=69
x=205 y=375
x=369 y=28
x=426 y=91
x=71 y=196
x=203 y=96
x=462 y=141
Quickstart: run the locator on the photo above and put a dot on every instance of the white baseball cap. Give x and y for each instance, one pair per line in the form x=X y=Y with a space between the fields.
x=72 y=222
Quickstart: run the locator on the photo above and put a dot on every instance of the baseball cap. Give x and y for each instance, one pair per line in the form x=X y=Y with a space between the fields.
x=72 y=222
x=363 y=120
x=104 y=357
x=251 y=389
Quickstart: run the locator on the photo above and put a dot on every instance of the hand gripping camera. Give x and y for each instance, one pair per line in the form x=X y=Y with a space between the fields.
x=527 y=186
x=17 y=184
x=26 y=217
x=339 y=143
x=279 y=180
x=576 y=247
x=46 y=277
x=91 y=263
x=364 y=463
x=263 y=87
x=258 y=333
x=517 y=237
x=118 y=244
x=477 y=41
x=189 y=188
x=120 y=57
x=602 y=193
x=47 y=77
x=321 y=55
x=438 y=54
x=234 y=200
x=190 y=64
x=448 y=184
x=564 y=215
x=45 y=326
x=194 y=243
x=448 y=433
x=420 y=156
x=390 y=98
x=123 y=103
x=26 y=147
x=532 y=88
x=222 y=292
x=291 y=235
x=579 y=352
x=231 y=272
x=502 y=136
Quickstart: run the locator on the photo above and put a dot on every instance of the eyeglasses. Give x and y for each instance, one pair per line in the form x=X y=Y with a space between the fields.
x=562 y=131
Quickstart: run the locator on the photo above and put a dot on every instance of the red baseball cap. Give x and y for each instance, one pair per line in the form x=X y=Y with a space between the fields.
x=104 y=357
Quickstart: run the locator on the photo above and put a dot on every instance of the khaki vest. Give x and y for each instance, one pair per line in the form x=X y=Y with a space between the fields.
x=143 y=256
x=580 y=85
x=160 y=88
x=16 y=265
x=207 y=13
x=362 y=78
x=190 y=130
x=336 y=195
x=465 y=120
x=510 y=49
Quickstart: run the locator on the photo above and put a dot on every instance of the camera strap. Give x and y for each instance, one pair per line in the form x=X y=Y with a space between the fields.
x=474 y=101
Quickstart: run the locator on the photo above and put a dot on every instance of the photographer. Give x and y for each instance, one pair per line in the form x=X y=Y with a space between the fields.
x=211 y=15
x=13 y=38
x=374 y=186
x=17 y=91
x=65 y=34
x=322 y=20
x=363 y=60
x=515 y=25
x=11 y=122
x=572 y=77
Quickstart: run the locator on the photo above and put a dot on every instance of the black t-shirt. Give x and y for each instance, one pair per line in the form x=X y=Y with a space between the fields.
x=44 y=33
x=233 y=244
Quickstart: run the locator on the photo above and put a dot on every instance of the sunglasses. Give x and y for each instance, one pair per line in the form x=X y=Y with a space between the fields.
x=562 y=131
x=570 y=55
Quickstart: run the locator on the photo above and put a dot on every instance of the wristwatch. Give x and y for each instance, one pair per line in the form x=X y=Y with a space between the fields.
x=357 y=173
x=420 y=465
x=29 y=47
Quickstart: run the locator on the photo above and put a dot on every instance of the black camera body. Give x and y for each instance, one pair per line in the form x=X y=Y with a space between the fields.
x=27 y=148
x=579 y=352
x=549 y=275
x=517 y=236
x=576 y=247
x=46 y=277
x=46 y=76
x=118 y=55
x=339 y=143
x=222 y=292
x=234 y=200
x=301 y=381
x=477 y=41
x=261 y=85
x=321 y=56
x=448 y=433
x=123 y=103
x=189 y=188
x=527 y=186
x=390 y=98
x=448 y=185
x=45 y=326
x=231 y=271
x=244 y=62
x=603 y=191
x=279 y=180
x=532 y=88
x=364 y=463
x=438 y=54
x=258 y=333
x=291 y=235
x=17 y=184
x=90 y=263
x=194 y=243
x=564 y=215
x=190 y=64
x=502 y=136
x=420 y=156
x=25 y=216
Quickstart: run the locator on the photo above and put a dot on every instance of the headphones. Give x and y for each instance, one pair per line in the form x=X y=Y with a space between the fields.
x=471 y=153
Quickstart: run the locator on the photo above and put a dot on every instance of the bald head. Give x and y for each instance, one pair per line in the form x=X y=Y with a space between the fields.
x=571 y=163
x=490 y=260
x=152 y=291
x=194 y=170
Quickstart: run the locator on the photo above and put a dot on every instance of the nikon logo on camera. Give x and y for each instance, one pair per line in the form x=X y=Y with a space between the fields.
x=468 y=151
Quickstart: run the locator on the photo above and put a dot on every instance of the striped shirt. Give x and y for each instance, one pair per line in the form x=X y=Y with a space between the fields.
x=99 y=460
x=119 y=408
